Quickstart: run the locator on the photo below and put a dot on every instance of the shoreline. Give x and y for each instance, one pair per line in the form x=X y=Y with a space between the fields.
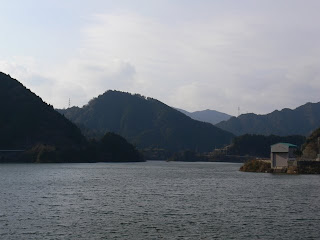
x=262 y=166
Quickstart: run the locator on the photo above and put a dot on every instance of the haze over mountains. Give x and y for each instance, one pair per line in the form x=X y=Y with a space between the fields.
x=210 y=116
x=147 y=122
x=300 y=121
x=26 y=121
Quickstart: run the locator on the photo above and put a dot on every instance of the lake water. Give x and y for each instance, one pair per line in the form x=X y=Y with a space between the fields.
x=155 y=200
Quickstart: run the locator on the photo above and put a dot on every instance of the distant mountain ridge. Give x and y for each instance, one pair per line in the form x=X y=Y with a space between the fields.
x=42 y=134
x=210 y=116
x=300 y=121
x=147 y=123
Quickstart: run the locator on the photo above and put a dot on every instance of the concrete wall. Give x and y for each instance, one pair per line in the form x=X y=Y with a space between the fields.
x=280 y=153
x=279 y=160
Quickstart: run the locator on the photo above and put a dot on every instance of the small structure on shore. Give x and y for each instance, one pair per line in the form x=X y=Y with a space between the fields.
x=281 y=154
x=283 y=160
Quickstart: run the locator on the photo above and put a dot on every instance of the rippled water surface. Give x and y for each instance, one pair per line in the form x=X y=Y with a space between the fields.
x=155 y=200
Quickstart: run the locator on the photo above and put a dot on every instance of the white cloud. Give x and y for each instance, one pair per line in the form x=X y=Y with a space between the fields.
x=260 y=60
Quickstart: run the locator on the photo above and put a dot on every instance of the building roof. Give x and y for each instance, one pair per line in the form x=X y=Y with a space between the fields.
x=282 y=147
x=286 y=144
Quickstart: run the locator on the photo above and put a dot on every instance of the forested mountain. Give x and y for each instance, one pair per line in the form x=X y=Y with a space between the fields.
x=146 y=122
x=27 y=123
x=210 y=116
x=26 y=120
x=260 y=145
x=300 y=121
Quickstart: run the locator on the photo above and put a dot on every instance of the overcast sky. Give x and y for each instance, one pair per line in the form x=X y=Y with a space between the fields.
x=200 y=54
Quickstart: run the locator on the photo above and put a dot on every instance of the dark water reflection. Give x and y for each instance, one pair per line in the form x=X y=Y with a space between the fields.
x=155 y=200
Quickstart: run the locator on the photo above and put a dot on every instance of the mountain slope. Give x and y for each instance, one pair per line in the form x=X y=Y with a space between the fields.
x=27 y=123
x=210 y=116
x=311 y=147
x=146 y=122
x=26 y=120
x=300 y=121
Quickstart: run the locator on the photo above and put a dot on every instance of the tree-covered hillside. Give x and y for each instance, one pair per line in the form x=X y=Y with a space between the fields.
x=311 y=147
x=300 y=121
x=26 y=120
x=27 y=123
x=259 y=145
x=146 y=122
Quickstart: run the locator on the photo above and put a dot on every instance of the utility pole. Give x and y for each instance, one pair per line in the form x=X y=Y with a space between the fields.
x=69 y=103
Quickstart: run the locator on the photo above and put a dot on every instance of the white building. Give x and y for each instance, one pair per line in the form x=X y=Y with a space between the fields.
x=281 y=153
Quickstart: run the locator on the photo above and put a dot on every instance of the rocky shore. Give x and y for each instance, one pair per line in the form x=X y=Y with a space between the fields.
x=264 y=166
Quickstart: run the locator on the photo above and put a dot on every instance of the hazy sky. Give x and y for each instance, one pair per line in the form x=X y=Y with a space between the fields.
x=260 y=55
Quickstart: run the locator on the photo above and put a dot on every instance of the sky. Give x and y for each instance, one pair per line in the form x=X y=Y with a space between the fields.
x=206 y=54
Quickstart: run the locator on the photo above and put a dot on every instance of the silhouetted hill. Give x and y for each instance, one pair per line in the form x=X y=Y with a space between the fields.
x=25 y=120
x=27 y=123
x=146 y=122
x=114 y=148
x=300 y=121
x=210 y=116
